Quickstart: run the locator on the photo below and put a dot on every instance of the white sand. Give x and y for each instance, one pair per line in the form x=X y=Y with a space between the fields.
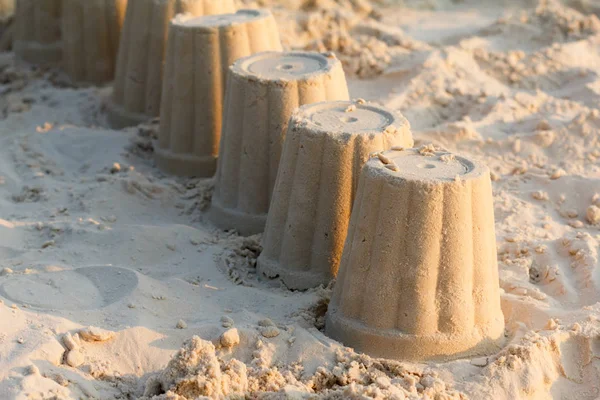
x=86 y=242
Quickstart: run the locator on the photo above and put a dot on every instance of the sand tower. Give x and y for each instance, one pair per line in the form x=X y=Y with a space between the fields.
x=7 y=9
x=37 y=36
x=325 y=148
x=90 y=34
x=418 y=278
x=262 y=92
x=199 y=53
x=138 y=80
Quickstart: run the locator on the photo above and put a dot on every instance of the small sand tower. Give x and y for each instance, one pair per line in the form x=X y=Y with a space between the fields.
x=199 y=53
x=325 y=148
x=418 y=278
x=262 y=92
x=90 y=34
x=138 y=81
x=37 y=36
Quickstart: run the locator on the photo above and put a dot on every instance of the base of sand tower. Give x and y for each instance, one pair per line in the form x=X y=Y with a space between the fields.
x=302 y=280
x=227 y=219
x=35 y=53
x=394 y=344
x=119 y=118
x=184 y=164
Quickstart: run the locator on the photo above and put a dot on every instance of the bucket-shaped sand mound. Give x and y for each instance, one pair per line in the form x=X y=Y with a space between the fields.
x=37 y=35
x=138 y=82
x=7 y=9
x=325 y=148
x=91 y=30
x=418 y=278
x=199 y=53
x=262 y=92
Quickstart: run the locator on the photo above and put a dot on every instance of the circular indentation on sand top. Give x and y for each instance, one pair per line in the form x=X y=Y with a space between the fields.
x=348 y=120
x=286 y=65
x=348 y=117
x=426 y=166
x=79 y=289
x=439 y=165
x=221 y=19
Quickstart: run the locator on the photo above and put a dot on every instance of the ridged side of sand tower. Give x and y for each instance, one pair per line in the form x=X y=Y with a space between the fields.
x=7 y=9
x=140 y=61
x=262 y=92
x=325 y=148
x=418 y=278
x=199 y=53
x=37 y=34
x=91 y=30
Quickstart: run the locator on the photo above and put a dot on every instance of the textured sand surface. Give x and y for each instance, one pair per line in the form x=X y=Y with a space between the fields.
x=93 y=235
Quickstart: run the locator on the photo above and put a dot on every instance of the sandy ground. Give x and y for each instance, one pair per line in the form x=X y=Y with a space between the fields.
x=93 y=235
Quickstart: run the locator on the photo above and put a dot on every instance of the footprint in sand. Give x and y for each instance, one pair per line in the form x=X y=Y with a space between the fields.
x=80 y=289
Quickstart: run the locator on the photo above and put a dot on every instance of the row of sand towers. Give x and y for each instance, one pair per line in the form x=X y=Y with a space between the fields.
x=334 y=184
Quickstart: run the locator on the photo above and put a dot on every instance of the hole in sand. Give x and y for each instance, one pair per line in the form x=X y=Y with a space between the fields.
x=426 y=166
x=285 y=67
x=348 y=120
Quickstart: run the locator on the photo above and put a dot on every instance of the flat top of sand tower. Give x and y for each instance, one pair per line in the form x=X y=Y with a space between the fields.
x=427 y=164
x=350 y=117
x=219 y=20
x=285 y=66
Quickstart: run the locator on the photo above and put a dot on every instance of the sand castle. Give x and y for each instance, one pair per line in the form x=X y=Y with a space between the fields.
x=90 y=34
x=139 y=70
x=325 y=148
x=262 y=92
x=37 y=36
x=199 y=53
x=418 y=278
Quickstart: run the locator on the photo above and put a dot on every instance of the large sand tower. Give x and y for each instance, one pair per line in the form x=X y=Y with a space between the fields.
x=7 y=9
x=262 y=92
x=37 y=37
x=91 y=30
x=199 y=53
x=138 y=81
x=418 y=278
x=325 y=148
